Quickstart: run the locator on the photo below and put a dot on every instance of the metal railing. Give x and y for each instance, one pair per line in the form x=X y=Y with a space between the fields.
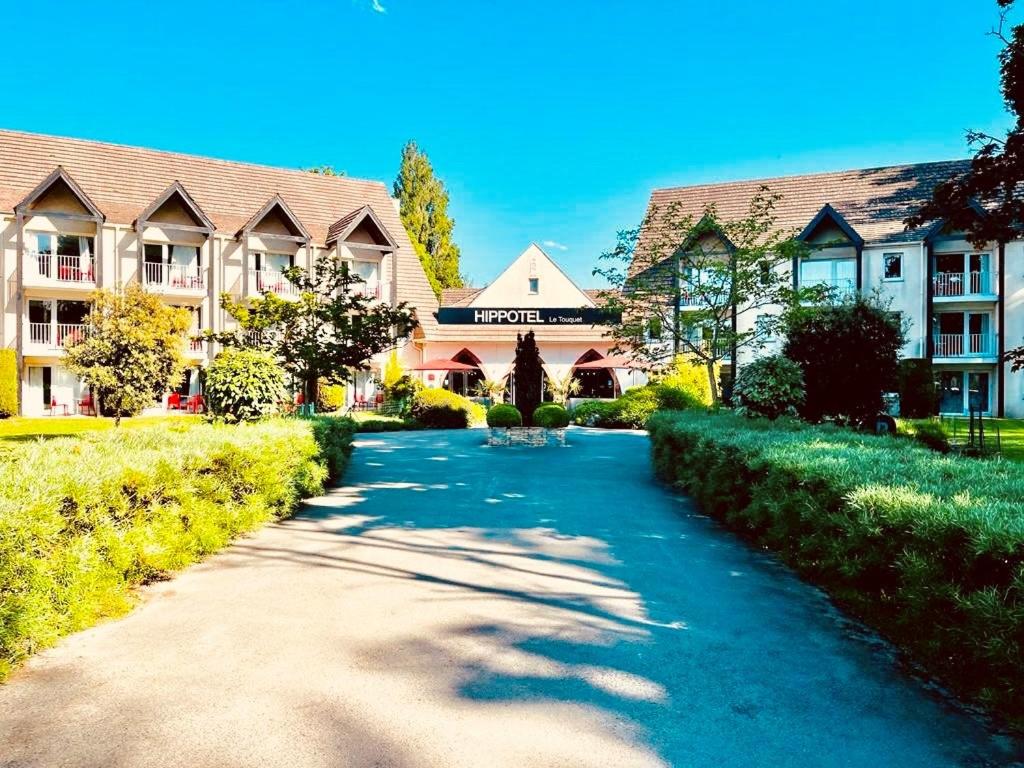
x=965 y=345
x=261 y=280
x=66 y=269
x=175 y=277
x=947 y=284
x=838 y=288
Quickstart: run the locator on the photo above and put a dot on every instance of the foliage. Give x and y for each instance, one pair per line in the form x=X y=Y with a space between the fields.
x=697 y=280
x=671 y=397
x=392 y=371
x=387 y=424
x=928 y=548
x=848 y=353
x=327 y=333
x=131 y=351
x=330 y=397
x=325 y=170
x=8 y=383
x=423 y=207
x=931 y=433
x=562 y=388
x=243 y=385
x=333 y=437
x=528 y=373
x=83 y=520
x=491 y=389
x=691 y=376
x=441 y=409
x=771 y=386
x=634 y=407
x=916 y=385
x=399 y=387
x=551 y=416
x=504 y=415
x=593 y=413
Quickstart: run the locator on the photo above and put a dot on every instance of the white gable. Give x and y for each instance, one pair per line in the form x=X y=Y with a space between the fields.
x=512 y=288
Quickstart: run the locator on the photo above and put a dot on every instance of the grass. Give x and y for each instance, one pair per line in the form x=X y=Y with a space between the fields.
x=21 y=428
x=1011 y=433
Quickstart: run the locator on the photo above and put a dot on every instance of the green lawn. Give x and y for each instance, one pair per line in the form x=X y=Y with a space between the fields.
x=22 y=428
x=1011 y=434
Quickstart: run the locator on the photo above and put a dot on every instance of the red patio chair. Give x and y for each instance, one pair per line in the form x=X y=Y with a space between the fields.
x=85 y=406
x=174 y=402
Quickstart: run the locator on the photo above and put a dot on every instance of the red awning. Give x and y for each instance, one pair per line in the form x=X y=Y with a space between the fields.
x=440 y=364
x=607 y=362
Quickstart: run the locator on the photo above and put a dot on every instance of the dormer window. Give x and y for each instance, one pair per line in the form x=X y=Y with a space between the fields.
x=534 y=286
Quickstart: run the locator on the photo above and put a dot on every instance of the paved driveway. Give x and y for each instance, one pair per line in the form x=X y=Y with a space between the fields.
x=457 y=605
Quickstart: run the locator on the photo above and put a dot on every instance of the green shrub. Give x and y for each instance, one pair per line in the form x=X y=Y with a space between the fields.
x=592 y=413
x=83 y=520
x=931 y=433
x=634 y=408
x=504 y=415
x=673 y=398
x=440 y=409
x=243 y=385
x=551 y=416
x=8 y=383
x=928 y=548
x=919 y=398
x=770 y=386
x=330 y=398
x=384 y=424
x=691 y=378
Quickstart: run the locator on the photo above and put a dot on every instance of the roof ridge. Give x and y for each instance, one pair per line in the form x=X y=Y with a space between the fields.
x=814 y=175
x=191 y=155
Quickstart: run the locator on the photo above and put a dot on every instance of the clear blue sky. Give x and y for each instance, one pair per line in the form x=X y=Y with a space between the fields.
x=549 y=121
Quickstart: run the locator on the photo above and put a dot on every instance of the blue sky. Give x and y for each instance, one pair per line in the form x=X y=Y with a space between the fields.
x=549 y=121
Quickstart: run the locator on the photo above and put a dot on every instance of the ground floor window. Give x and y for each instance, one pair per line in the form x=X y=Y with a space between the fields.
x=465 y=383
x=596 y=384
x=962 y=391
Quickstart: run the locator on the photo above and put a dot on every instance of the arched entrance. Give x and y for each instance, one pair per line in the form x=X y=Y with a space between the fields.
x=595 y=383
x=464 y=383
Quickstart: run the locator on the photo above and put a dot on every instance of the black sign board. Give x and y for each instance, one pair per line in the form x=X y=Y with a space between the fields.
x=526 y=316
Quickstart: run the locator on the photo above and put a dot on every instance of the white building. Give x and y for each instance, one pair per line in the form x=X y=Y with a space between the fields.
x=79 y=215
x=964 y=305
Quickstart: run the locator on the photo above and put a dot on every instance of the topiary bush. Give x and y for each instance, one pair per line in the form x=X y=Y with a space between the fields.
x=330 y=397
x=504 y=415
x=551 y=416
x=440 y=409
x=243 y=385
x=8 y=383
x=771 y=387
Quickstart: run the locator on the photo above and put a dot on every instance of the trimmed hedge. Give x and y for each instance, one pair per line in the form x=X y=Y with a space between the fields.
x=551 y=416
x=8 y=383
x=436 y=408
x=504 y=415
x=84 y=520
x=634 y=407
x=928 y=548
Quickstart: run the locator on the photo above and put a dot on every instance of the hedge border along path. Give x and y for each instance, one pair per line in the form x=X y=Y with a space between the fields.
x=84 y=520
x=927 y=548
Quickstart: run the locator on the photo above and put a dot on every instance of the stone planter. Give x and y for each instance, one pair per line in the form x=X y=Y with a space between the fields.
x=530 y=436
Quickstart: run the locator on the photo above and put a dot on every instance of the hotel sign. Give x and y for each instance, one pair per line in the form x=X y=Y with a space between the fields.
x=538 y=316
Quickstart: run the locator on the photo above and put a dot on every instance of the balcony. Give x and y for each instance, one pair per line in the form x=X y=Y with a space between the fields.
x=262 y=280
x=174 y=279
x=962 y=286
x=51 y=338
x=195 y=348
x=980 y=347
x=838 y=289
x=49 y=270
x=371 y=289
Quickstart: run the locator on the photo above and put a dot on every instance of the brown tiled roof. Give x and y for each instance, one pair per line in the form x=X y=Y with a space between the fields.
x=458 y=297
x=874 y=201
x=343 y=223
x=124 y=180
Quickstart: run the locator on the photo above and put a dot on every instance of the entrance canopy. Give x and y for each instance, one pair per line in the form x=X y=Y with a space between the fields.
x=440 y=364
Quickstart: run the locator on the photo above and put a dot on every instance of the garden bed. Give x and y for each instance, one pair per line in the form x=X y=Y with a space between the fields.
x=85 y=519
x=927 y=548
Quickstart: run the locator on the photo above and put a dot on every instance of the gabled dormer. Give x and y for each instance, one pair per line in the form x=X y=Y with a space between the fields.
x=175 y=209
x=829 y=229
x=59 y=196
x=361 y=228
x=277 y=221
x=271 y=242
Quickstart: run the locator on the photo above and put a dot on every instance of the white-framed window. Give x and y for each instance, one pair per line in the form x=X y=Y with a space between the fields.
x=534 y=286
x=892 y=266
x=838 y=274
x=763 y=326
x=275 y=262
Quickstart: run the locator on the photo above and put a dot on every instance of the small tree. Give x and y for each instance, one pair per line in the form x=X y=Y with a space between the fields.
x=528 y=373
x=701 y=287
x=562 y=388
x=327 y=333
x=849 y=355
x=131 y=351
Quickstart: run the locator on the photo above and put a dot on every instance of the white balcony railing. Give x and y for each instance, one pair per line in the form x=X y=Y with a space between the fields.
x=196 y=345
x=370 y=289
x=838 y=288
x=261 y=280
x=54 y=335
x=173 y=277
x=65 y=269
x=965 y=345
x=953 y=284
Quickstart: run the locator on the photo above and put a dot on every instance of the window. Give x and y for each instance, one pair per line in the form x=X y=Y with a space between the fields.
x=764 y=326
x=534 y=286
x=654 y=329
x=892 y=266
x=837 y=274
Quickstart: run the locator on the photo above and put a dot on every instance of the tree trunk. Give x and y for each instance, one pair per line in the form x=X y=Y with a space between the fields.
x=713 y=381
